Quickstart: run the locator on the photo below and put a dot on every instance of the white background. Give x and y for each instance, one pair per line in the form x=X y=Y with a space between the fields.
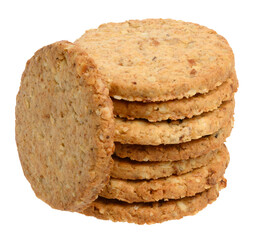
x=26 y=26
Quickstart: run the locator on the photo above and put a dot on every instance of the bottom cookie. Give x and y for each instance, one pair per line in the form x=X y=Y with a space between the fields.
x=156 y=212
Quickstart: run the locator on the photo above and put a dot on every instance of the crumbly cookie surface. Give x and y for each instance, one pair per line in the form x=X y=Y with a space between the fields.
x=158 y=59
x=177 y=109
x=155 y=212
x=64 y=127
x=133 y=170
x=146 y=133
x=173 y=187
x=174 y=152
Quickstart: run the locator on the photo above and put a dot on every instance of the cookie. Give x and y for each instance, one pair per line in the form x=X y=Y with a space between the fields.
x=132 y=170
x=177 y=109
x=155 y=212
x=173 y=187
x=173 y=132
x=64 y=127
x=158 y=59
x=174 y=152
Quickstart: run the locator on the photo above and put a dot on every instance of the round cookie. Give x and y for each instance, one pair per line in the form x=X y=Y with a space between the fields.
x=155 y=212
x=132 y=170
x=174 y=152
x=64 y=127
x=173 y=187
x=158 y=59
x=173 y=132
x=177 y=109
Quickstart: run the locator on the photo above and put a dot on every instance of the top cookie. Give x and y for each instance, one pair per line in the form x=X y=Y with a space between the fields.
x=157 y=59
x=64 y=127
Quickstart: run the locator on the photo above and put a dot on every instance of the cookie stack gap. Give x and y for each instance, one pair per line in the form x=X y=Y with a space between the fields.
x=172 y=84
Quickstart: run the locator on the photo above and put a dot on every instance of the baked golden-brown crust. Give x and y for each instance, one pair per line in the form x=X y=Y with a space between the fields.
x=158 y=59
x=177 y=109
x=124 y=168
x=174 y=152
x=173 y=187
x=64 y=127
x=155 y=212
x=146 y=133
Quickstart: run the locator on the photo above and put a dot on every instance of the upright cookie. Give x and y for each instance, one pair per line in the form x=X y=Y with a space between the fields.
x=173 y=187
x=155 y=212
x=177 y=109
x=146 y=133
x=64 y=127
x=158 y=59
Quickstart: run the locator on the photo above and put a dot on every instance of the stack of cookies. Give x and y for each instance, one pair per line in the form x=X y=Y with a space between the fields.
x=129 y=122
x=172 y=85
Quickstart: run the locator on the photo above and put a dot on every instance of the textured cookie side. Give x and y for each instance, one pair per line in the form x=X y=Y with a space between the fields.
x=174 y=152
x=174 y=132
x=64 y=127
x=156 y=212
x=173 y=187
x=177 y=109
x=133 y=170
